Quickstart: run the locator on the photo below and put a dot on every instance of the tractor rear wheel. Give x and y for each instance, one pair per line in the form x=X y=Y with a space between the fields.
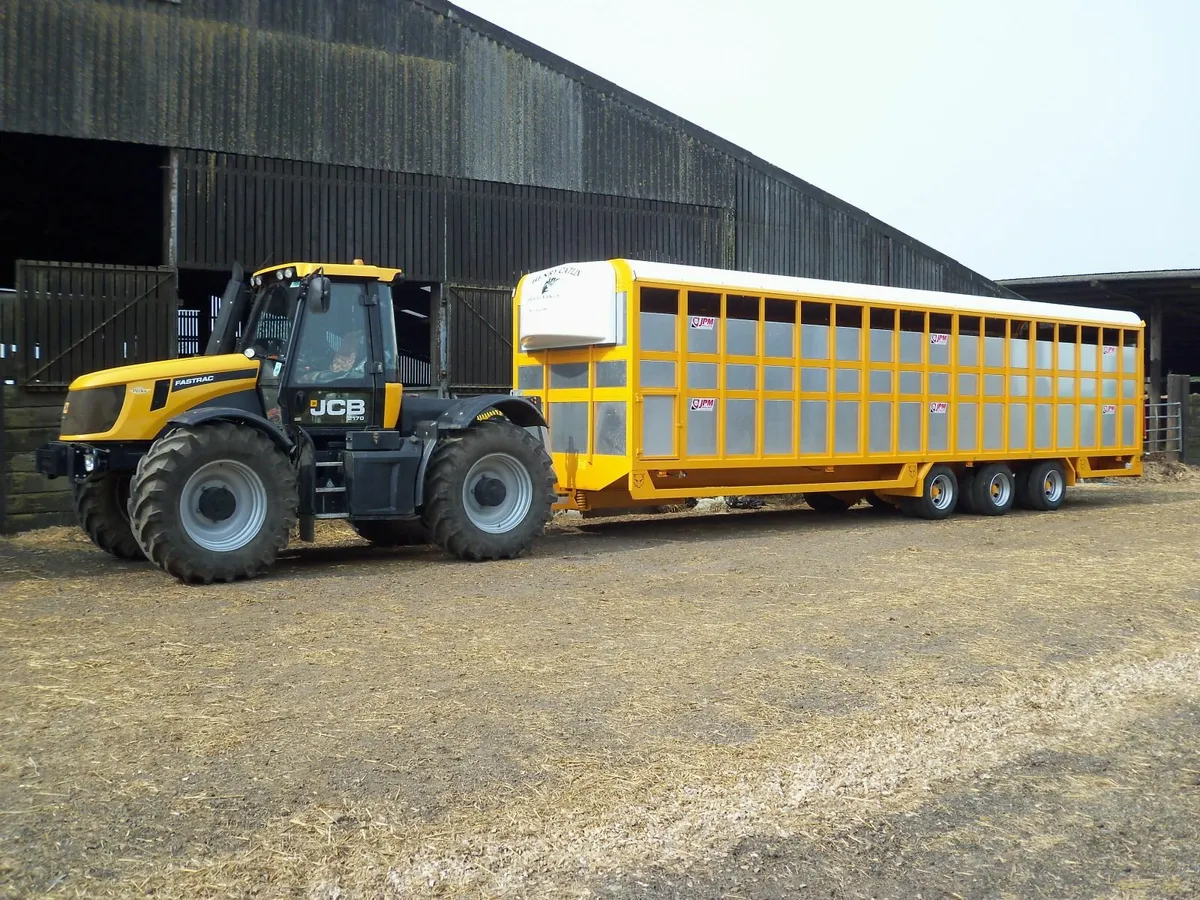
x=488 y=491
x=392 y=533
x=213 y=503
x=102 y=505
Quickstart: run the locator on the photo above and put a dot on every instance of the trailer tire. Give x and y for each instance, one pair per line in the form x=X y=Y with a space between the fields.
x=392 y=533
x=213 y=502
x=992 y=490
x=489 y=491
x=826 y=503
x=939 y=495
x=102 y=506
x=1045 y=486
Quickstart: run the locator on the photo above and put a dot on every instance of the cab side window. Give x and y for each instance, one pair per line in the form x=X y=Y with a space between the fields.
x=334 y=346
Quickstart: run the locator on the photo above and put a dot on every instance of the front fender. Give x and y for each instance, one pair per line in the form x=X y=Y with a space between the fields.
x=201 y=415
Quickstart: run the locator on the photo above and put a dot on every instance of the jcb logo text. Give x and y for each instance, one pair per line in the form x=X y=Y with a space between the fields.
x=351 y=410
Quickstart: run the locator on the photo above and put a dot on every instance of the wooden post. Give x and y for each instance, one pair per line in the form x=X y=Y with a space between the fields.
x=1156 y=351
x=170 y=254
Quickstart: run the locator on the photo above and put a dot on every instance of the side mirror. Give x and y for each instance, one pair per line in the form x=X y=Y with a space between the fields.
x=317 y=295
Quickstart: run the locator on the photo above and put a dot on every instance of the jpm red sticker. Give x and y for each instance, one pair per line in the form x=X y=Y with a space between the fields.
x=939 y=409
x=703 y=404
x=939 y=339
x=1109 y=409
x=702 y=323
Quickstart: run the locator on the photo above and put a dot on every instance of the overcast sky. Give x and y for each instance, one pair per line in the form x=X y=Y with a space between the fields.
x=1021 y=138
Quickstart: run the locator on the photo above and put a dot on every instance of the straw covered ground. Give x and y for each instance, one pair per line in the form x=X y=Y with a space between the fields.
x=758 y=704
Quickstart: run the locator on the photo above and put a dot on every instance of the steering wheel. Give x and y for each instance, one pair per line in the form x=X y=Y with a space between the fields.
x=272 y=348
x=325 y=375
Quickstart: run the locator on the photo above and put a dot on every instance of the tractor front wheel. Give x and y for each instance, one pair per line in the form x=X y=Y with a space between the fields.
x=102 y=505
x=489 y=491
x=213 y=503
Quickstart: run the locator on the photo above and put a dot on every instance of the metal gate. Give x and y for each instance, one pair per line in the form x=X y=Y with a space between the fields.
x=75 y=318
x=1164 y=427
x=475 y=332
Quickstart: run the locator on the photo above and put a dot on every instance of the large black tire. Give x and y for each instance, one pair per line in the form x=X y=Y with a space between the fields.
x=394 y=533
x=992 y=490
x=102 y=505
x=456 y=522
x=939 y=495
x=1045 y=486
x=826 y=503
x=168 y=520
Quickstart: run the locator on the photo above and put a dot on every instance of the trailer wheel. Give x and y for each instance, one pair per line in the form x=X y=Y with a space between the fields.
x=102 y=506
x=1045 y=485
x=213 y=503
x=489 y=491
x=392 y=533
x=826 y=503
x=993 y=490
x=939 y=495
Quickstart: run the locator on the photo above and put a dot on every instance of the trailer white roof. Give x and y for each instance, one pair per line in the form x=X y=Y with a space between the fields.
x=757 y=283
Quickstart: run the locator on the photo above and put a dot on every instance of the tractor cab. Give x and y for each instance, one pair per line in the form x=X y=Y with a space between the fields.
x=325 y=338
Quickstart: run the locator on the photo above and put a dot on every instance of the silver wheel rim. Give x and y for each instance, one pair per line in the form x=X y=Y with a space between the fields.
x=1000 y=489
x=249 y=512
x=502 y=517
x=1052 y=485
x=941 y=492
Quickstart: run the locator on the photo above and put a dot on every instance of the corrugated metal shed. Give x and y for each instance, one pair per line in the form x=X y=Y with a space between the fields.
x=423 y=88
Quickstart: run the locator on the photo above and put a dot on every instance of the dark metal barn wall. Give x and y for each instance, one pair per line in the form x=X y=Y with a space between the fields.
x=456 y=230
x=264 y=210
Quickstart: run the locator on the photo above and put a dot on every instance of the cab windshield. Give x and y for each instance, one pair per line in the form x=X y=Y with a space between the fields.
x=271 y=320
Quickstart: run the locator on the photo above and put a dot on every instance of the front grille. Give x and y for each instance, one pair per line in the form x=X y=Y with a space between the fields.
x=92 y=411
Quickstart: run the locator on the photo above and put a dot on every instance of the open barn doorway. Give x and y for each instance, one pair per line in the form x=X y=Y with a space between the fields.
x=72 y=200
x=414 y=304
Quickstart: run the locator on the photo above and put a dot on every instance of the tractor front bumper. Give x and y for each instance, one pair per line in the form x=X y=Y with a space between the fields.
x=76 y=461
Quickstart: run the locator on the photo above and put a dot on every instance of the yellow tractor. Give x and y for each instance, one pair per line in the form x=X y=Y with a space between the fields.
x=295 y=413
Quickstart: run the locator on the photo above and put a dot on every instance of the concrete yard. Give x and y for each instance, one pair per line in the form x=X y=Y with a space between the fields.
x=758 y=704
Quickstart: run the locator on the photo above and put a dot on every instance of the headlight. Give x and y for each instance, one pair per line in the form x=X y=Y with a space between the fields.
x=89 y=462
x=279 y=274
x=289 y=273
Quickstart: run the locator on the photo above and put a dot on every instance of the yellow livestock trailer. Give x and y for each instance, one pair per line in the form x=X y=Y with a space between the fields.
x=664 y=382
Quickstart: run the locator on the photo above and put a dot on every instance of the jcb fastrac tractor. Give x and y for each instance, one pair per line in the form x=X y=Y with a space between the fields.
x=205 y=465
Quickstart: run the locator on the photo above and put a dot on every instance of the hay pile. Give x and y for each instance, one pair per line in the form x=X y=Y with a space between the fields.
x=1169 y=472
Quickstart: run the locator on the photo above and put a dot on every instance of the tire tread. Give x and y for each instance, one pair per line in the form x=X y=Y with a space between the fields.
x=161 y=474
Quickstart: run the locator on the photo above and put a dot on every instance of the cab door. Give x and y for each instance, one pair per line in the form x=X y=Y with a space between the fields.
x=336 y=375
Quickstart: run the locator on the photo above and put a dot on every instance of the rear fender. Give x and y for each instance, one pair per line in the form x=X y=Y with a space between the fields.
x=462 y=415
x=517 y=410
